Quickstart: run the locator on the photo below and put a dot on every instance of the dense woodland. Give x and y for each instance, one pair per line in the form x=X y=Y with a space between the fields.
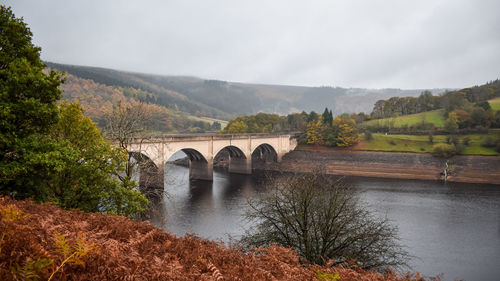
x=451 y=100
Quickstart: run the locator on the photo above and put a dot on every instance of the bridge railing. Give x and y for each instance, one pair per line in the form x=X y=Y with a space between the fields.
x=202 y=136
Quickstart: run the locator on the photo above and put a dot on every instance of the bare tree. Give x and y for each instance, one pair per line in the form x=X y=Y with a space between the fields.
x=322 y=218
x=129 y=122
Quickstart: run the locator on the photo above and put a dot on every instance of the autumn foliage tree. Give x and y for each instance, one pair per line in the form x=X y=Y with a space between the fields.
x=313 y=132
x=238 y=127
x=347 y=132
x=341 y=131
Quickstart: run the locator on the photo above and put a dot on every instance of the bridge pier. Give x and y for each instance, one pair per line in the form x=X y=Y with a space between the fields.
x=239 y=165
x=151 y=176
x=201 y=170
x=279 y=157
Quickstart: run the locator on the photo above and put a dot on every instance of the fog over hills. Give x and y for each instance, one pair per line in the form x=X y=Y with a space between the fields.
x=224 y=100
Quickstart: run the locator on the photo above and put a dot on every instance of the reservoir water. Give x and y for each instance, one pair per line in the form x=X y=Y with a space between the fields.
x=450 y=228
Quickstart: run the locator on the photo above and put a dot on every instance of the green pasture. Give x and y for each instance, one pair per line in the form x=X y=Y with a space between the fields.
x=421 y=144
x=208 y=120
x=495 y=104
x=434 y=116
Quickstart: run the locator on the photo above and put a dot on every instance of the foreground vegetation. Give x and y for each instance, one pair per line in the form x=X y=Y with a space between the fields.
x=51 y=151
x=71 y=245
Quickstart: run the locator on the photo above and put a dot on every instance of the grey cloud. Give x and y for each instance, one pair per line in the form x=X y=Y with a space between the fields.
x=351 y=43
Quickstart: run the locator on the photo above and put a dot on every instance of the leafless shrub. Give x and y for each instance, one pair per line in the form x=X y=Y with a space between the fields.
x=322 y=219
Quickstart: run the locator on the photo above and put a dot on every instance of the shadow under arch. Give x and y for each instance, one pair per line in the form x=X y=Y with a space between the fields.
x=193 y=154
x=199 y=167
x=142 y=158
x=234 y=159
x=263 y=154
x=232 y=150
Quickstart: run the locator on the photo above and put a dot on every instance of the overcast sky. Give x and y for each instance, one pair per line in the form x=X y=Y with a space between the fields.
x=351 y=43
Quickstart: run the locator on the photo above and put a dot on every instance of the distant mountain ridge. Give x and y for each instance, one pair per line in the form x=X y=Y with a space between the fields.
x=225 y=100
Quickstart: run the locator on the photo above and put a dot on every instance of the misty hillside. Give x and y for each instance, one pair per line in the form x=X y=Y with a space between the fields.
x=225 y=100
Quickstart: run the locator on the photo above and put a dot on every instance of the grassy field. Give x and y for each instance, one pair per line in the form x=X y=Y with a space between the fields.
x=420 y=144
x=495 y=104
x=209 y=120
x=435 y=117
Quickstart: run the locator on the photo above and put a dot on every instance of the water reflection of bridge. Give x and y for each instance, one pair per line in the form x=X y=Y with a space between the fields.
x=202 y=149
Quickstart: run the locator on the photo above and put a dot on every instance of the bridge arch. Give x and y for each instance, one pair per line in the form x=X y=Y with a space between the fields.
x=193 y=154
x=238 y=161
x=142 y=158
x=234 y=151
x=200 y=167
x=265 y=152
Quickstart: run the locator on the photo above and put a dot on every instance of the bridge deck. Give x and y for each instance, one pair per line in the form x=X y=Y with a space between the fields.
x=184 y=137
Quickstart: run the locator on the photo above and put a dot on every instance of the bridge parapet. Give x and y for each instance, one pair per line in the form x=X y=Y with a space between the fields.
x=184 y=137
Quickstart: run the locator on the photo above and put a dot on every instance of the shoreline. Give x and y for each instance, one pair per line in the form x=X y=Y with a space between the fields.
x=396 y=165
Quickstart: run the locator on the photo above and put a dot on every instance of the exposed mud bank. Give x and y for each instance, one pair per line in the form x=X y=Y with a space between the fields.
x=470 y=169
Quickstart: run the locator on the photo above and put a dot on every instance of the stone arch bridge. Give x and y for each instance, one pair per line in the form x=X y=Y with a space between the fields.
x=202 y=149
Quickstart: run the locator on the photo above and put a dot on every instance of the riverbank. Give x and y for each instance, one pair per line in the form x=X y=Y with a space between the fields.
x=397 y=165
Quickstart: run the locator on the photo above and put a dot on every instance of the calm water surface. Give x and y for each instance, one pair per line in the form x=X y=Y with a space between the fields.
x=452 y=229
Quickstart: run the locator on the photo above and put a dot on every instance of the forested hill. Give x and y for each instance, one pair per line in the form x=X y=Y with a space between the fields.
x=98 y=100
x=225 y=100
